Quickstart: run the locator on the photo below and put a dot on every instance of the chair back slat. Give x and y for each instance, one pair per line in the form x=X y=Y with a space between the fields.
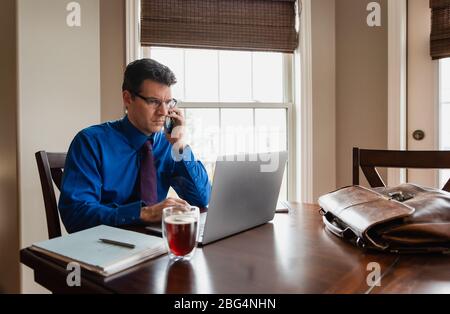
x=369 y=160
x=51 y=167
x=373 y=176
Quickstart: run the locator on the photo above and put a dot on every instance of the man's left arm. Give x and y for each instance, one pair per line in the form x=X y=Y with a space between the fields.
x=190 y=180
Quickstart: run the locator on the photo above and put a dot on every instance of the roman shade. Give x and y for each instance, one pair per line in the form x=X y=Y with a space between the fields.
x=254 y=25
x=440 y=29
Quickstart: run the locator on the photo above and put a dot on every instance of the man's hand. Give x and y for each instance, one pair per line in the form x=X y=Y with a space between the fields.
x=176 y=137
x=154 y=213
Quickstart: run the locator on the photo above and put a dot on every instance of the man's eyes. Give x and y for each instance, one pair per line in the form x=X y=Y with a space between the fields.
x=152 y=100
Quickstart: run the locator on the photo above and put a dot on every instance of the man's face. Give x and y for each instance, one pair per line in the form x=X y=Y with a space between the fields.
x=147 y=117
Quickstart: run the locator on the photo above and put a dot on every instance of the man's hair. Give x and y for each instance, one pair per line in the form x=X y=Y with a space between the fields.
x=146 y=69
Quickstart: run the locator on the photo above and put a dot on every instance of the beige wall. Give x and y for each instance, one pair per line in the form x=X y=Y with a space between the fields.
x=350 y=71
x=59 y=90
x=324 y=96
x=361 y=83
x=112 y=58
x=9 y=213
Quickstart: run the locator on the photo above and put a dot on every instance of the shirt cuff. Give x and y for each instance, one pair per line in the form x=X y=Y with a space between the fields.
x=185 y=156
x=187 y=162
x=129 y=214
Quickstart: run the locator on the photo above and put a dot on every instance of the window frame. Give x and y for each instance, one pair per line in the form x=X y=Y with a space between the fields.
x=297 y=69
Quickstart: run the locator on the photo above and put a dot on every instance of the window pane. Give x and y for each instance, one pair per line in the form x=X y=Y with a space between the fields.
x=235 y=76
x=271 y=136
x=444 y=114
x=444 y=126
x=445 y=80
x=201 y=75
x=270 y=130
x=237 y=131
x=203 y=136
x=283 y=189
x=173 y=58
x=444 y=176
x=267 y=77
x=229 y=76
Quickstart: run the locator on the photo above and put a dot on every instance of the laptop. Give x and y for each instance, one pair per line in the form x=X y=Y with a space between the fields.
x=244 y=195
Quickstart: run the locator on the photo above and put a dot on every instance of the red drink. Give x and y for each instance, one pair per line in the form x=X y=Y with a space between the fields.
x=181 y=233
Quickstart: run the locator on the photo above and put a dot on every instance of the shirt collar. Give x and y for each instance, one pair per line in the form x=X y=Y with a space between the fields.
x=135 y=137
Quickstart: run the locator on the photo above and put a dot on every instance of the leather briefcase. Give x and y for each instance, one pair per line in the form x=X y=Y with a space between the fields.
x=403 y=219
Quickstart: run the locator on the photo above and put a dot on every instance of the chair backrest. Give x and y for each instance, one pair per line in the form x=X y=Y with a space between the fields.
x=51 y=167
x=368 y=160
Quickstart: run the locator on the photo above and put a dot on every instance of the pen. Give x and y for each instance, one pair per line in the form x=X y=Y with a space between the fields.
x=128 y=245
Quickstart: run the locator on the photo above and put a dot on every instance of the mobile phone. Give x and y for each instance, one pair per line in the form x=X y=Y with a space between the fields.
x=168 y=125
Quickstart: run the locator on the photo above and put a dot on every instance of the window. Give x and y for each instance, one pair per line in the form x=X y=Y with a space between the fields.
x=444 y=113
x=234 y=101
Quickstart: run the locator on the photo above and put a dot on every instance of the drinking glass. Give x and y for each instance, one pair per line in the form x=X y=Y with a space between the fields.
x=180 y=231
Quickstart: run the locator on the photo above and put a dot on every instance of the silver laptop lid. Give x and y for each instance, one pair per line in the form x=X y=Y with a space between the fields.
x=244 y=194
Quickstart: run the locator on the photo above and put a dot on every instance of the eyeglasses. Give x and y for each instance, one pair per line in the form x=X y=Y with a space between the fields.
x=156 y=102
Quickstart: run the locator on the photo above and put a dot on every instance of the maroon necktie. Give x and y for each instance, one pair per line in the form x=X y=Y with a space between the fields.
x=148 y=175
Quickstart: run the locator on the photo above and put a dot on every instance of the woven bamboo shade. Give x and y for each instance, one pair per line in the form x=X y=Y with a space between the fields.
x=255 y=25
x=440 y=29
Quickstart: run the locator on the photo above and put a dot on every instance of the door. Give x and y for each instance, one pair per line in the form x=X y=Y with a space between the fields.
x=423 y=91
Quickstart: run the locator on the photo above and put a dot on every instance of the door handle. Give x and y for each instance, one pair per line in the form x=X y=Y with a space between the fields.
x=418 y=135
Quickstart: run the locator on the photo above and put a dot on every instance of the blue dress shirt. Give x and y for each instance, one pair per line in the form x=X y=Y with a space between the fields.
x=101 y=176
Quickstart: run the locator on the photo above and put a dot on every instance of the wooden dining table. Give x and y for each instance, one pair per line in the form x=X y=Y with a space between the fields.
x=292 y=254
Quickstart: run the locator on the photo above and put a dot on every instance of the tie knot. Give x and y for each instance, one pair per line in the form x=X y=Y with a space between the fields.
x=148 y=145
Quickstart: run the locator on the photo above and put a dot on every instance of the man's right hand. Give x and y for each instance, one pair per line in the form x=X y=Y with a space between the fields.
x=154 y=213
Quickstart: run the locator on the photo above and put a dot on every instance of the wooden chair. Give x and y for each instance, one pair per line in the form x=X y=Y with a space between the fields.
x=51 y=167
x=368 y=160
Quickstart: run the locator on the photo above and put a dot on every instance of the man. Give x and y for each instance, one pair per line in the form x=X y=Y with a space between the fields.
x=119 y=173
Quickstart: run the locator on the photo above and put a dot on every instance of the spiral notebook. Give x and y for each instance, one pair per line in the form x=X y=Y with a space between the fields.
x=86 y=248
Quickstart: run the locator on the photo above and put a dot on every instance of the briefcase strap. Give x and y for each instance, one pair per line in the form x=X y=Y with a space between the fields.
x=330 y=223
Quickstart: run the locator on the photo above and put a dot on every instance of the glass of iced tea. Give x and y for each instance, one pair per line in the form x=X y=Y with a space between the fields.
x=180 y=231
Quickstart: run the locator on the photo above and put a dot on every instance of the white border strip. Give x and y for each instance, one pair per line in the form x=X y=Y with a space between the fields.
x=397 y=80
x=223 y=105
x=132 y=30
x=303 y=100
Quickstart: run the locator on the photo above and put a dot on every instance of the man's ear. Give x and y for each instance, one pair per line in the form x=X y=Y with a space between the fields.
x=127 y=98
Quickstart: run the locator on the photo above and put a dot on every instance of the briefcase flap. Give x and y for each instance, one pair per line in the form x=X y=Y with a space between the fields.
x=360 y=210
